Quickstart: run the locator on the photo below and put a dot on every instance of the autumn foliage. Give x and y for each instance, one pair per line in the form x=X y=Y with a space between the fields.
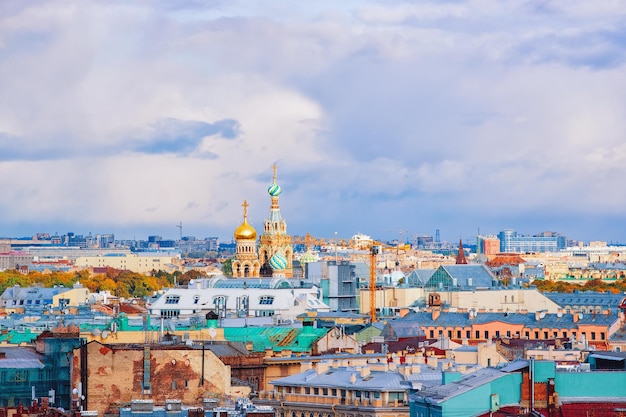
x=125 y=284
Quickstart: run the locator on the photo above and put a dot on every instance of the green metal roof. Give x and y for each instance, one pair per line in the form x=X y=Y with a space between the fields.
x=17 y=337
x=275 y=338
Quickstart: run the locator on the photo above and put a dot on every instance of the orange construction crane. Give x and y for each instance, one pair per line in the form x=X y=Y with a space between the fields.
x=374 y=251
x=376 y=248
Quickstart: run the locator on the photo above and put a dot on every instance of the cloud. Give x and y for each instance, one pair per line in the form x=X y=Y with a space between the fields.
x=183 y=137
x=380 y=114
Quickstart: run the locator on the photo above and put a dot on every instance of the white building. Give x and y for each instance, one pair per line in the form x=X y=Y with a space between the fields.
x=239 y=298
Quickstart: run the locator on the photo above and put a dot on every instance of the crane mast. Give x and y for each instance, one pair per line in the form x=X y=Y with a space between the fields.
x=375 y=250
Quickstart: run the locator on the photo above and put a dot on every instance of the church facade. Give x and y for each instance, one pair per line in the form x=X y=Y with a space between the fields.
x=274 y=257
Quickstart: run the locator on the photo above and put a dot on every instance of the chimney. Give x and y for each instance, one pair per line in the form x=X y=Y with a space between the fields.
x=353 y=378
x=305 y=366
x=322 y=366
x=576 y=317
x=435 y=313
x=365 y=371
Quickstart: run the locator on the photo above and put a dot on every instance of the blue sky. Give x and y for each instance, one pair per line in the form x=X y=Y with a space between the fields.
x=130 y=117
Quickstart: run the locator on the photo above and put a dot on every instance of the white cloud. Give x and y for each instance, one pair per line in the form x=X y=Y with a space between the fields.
x=492 y=107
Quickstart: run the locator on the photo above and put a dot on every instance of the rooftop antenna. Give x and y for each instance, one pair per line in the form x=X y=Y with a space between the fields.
x=180 y=226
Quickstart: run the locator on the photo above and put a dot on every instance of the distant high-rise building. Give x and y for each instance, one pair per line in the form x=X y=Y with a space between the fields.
x=487 y=245
x=511 y=241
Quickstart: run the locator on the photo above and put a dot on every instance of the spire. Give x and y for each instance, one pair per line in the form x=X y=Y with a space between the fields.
x=460 y=257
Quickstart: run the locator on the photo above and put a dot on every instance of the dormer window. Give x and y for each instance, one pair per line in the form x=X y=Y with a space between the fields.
x=172 y=299
x=266 y=300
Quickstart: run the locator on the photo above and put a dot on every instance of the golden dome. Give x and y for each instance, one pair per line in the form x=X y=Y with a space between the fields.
x=245 y=231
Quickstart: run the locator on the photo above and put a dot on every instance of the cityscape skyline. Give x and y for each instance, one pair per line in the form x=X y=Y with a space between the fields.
x=385 y=118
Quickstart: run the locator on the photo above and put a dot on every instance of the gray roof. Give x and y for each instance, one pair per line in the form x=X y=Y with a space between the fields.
x=441 y=393
x=462 y=276
x=32 y=293
x=341 y=377
x=399 y=328
x=20 y=357
x=419 y=277
x=587 y=298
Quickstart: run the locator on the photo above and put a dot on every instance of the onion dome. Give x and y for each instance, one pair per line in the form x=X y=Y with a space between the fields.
x=274 y=190
x=308 y=256
x=245 y=230
x=278 y=261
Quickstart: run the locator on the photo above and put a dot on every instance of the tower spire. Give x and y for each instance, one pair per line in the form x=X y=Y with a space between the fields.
x=460 y=257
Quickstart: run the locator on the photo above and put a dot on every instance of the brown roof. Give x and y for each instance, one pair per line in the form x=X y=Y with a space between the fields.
x=505 y=259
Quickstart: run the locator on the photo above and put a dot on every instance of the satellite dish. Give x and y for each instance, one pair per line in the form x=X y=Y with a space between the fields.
x=95 y=332
x=104 y=334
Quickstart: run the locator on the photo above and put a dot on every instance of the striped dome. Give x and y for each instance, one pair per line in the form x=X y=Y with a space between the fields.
x=278 y=261
x=274 y=190
x=308 y=256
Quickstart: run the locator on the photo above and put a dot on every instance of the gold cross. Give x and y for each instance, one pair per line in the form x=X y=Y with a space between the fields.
x=245 y=209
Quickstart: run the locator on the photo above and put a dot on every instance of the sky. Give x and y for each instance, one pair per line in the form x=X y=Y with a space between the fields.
x=389 y=118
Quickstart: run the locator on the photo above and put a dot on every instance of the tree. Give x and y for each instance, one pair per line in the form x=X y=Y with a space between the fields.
x=227 y=267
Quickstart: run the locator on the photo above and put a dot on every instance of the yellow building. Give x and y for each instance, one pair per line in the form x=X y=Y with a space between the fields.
x=339 y=389
x=142 y=263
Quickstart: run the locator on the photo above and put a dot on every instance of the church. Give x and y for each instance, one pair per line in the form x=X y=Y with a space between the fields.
x=274 y=255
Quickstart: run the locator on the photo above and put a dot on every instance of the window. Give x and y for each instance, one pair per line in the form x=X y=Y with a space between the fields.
x=477 y=334
x=450 y=334
x=545 y=335
x=486 y=334
x=432 y=333
x=172 y=299
x=593 y=335
x=458 y=334
x=266 y=300
x=468 y=333
x=219 y=301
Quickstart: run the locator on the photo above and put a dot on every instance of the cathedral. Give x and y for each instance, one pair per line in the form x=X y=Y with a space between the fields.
x=274 y=255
